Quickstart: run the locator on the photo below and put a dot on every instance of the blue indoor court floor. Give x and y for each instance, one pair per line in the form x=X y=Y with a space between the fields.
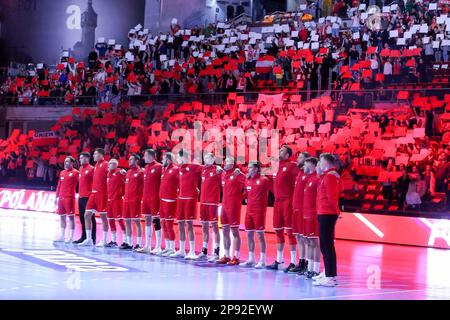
x=29 y=270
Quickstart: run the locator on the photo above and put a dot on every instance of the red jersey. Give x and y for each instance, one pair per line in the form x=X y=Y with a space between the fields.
x=310 y=195
x=297 y=199
x=100 y=176
x=67 y=183
x=284 y=180
x=210 y=191
x=170 y=179
x=257 y=192
x=189 y=178
x=328 y=193
x=152 y=180
x=115 y=184
x=134 y=184
x=85 y=181
x=232 y=187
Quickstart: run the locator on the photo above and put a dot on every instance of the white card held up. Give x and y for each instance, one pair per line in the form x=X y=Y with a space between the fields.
x=364 y=15
x=393 y=34
x=294 y=34
x=306 y=45
x=163 y=57
x=314 y=46
x=394 y=7
x=426 y=40
x=243 y=37
x=423 y=28
x=303 y=7
x=432 y=6
x=315 y=38
x=445 y=43
x=185 y=44
x=401 y=41
x=407 y=35
x=386 y=9
x=362 y=7
x=356 y=36
x=365 y=37
x=111 y=42
x=322 y=20
x=436 y=44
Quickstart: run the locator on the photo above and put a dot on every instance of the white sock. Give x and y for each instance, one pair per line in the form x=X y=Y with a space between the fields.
x=63 y=233
x=71 y=232
x=316 y=267
x=158 y=238
x=310 y=265
x=262 y=257
x=148 y=236
x=105 y=236
x=279 y=256
x=227 y=253
x=205 y=245
x=139 y=240
x=114 y=236
x=182 y=246
x=293 y=256
x=192 y=247
x=88 y=234
x=251 y=256
x=236 y=254
x=130 y=240
x=172 y=245
x=167 y=243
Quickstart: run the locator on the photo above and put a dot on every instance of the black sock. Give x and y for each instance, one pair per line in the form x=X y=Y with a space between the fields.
x=216 y=251
x=302 y=263
x=205 y=251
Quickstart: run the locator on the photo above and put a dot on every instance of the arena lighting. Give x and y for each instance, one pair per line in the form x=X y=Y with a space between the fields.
x=369 y=224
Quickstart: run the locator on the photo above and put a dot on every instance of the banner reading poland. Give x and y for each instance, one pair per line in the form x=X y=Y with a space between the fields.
x=32 y=200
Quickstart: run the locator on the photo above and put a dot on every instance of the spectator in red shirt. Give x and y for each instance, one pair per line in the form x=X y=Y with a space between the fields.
x=65 y=198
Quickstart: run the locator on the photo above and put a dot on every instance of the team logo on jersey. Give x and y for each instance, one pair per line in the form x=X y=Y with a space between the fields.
x=86 y=172
x=211 y=174
x=257 y=182
x=310 y=184
x=181 y=173
x=249 y=188
x=304 y=177
x=62 y=178
x=187 y=169
x=135 y=175
x=126 y=180
x=70 y=174
x=203 y=178
x=170 y=171
x=232 y=177
x=284 y=169
x=153 y=171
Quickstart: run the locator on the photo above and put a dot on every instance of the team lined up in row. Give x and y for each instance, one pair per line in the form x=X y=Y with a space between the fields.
x=306 y=200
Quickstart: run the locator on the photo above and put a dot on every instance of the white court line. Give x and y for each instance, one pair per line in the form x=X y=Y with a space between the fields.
x=361 y=294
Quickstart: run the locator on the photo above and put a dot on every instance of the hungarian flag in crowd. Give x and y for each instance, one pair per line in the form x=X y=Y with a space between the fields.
x=264 y=64
x=44 y=138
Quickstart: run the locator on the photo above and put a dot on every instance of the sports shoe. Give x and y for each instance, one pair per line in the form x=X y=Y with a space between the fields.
x=295 y=270
x=142 y=250
x=178 y=254
x=213 y=258
x=233 y=262
x=167 y=253
x=69 y=241
x=136 y=247
x=156 y=251
x=247 y=264
x=320 y=276
x=326 y=282
x=290 y=267
x=60 y=239
x=273 y=266
x=125 y=246
x=260 y=265
x=191 y=256
x=79 y=241
x=101 y=244
x=201 y=256
x=111 y=244
x=87 y=243
x=223 y=260
x=310 y=274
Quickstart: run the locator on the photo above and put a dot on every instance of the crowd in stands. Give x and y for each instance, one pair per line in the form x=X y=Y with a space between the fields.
x=403 y=150
x=353 y=47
